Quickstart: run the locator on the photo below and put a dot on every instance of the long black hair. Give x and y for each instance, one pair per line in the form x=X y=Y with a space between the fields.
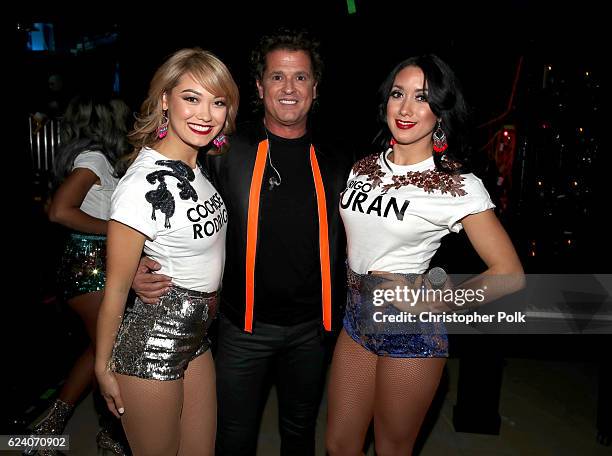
x=92 y=123
x=446 y=101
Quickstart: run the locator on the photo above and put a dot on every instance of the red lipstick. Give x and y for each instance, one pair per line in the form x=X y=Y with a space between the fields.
x=403 y=125
x=204 y=132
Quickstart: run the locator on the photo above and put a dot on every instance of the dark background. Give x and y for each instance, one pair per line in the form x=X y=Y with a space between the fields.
x=554 y=207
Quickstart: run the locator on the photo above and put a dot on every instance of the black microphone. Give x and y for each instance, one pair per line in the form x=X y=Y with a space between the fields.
x=437 y=277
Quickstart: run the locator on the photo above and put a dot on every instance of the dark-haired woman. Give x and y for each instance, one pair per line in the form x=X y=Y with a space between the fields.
x=397 y=207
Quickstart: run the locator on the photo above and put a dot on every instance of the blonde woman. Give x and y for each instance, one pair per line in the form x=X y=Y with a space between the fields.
x=154 y=365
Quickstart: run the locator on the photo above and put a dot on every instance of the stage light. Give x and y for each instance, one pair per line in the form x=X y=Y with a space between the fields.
x=350 y=4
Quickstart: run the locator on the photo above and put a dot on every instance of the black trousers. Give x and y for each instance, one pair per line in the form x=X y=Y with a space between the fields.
x=294 y=359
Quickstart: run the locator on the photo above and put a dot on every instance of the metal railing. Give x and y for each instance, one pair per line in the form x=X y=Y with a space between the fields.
x=44 y=141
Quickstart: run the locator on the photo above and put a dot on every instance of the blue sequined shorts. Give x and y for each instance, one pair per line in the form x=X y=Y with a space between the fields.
x=398 y=339
x=157 y=341
x=83 y=265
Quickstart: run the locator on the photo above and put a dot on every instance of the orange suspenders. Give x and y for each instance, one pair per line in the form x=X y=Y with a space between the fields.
x=323 y=241
x=252 y=226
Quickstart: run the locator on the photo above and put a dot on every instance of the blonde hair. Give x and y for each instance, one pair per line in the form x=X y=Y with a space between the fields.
x=206 y=69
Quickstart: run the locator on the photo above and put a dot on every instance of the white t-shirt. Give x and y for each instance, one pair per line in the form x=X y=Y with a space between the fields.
x=395 y=216
x=98 y=199
x=180 y=213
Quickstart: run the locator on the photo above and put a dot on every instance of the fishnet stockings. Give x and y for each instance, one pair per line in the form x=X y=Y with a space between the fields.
x=395 y=391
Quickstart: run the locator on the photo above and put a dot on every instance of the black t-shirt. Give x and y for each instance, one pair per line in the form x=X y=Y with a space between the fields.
x=287 y=268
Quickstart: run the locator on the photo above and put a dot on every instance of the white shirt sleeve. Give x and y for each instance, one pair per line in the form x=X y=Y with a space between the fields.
x=130 y=206
x=476 y=200
x=97 y=163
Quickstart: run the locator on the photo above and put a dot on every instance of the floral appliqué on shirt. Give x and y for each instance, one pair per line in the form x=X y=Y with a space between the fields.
x=429 y=180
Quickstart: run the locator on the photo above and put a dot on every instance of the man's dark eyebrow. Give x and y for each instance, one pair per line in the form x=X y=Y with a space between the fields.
x=297 y=72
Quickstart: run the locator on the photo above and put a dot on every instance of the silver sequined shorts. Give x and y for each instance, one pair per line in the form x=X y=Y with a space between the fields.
x=157 y=341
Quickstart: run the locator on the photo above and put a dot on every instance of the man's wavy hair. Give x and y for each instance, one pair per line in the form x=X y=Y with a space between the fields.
x=287 y=39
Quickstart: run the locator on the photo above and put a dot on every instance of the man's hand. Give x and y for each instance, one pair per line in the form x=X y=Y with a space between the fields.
x=147 y=285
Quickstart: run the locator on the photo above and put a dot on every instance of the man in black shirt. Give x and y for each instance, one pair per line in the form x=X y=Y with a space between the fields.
x=285 y=254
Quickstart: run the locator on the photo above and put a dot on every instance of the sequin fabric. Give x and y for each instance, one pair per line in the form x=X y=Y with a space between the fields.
x=83 y=265
x=105 y=441
x=157 y=341
x=53 y=424
x=369 y=166
x=161 y=198
x=429 y=180
x=396 y=340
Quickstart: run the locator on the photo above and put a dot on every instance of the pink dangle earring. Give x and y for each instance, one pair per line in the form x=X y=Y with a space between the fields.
x=162 y=130
x=220 y=140
x=439 y=139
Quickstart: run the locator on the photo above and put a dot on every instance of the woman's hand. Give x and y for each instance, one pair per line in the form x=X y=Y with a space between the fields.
x=109 y=388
